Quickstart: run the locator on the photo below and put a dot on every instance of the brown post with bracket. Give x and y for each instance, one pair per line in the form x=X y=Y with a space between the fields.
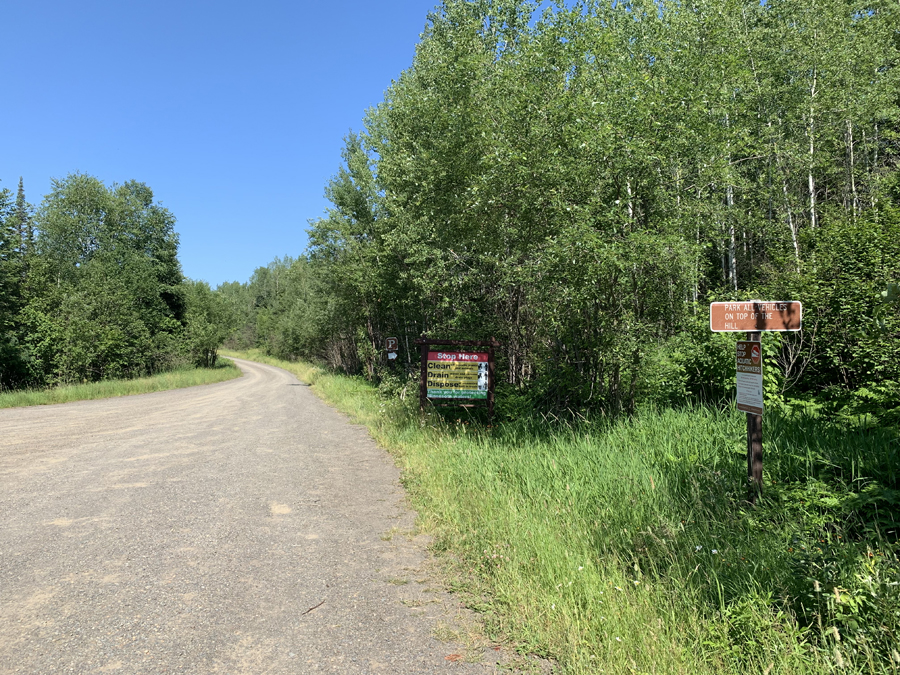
x=423 y=373
x=754 y=445
x=491 y=373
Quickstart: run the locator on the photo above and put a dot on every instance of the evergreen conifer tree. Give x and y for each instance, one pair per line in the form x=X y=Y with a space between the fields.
x=24 y=224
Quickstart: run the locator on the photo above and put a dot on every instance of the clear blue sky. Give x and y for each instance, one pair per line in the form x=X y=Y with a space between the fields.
x=233 y=113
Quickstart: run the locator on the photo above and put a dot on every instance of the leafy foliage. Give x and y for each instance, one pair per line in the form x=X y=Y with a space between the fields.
x=92 y=288
x=580 y=182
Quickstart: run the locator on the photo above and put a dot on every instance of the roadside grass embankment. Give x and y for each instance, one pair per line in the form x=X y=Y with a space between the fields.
x=176 y=379
x=626 y=546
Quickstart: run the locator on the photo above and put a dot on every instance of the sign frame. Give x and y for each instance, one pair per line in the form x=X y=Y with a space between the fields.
x=782 y=316
x=424 y=345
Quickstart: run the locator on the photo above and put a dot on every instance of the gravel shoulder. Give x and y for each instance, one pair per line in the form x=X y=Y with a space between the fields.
x=240 y=527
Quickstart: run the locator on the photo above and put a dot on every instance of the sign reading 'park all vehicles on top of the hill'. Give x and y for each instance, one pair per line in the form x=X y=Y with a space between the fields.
x=457 y=375
x=755 y=315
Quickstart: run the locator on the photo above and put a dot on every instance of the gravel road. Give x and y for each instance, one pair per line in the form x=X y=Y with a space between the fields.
x=240 y=527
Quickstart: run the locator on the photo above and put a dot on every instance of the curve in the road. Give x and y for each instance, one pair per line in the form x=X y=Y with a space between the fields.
x=235 y=528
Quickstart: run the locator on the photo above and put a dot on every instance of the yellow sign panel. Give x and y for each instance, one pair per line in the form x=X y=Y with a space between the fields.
x=457 y=375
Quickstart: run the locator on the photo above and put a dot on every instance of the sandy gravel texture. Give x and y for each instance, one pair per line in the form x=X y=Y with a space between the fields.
x=239 y=527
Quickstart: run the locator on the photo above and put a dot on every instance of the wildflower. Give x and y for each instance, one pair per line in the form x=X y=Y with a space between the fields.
x=618 y=639
x=714 y=551
x=635 y=582
x=581 y=568
x=697 y=548
x=618 y=589
x=838 y=658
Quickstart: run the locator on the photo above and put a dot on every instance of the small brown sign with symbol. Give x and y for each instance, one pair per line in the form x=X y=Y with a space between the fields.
x=391 y=344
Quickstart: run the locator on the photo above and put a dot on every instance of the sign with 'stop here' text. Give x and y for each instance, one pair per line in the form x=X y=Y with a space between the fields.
x=457 y=375
x=749 y=377
x=756 y=315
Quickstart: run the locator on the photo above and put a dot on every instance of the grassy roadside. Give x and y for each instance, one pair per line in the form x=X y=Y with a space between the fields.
x=111 y=388
x=625 y=546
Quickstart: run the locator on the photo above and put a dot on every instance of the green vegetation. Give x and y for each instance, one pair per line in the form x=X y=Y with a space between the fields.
x=175 y=379
x=91 y=289
x=625 y=545
x=578 y=182
x=581 y=182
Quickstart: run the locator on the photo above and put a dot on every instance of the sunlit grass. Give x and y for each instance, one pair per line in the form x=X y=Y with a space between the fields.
x=176 y=379
x=627 y=545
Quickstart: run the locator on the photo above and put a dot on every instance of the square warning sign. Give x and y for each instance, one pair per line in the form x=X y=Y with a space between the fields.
x=749 y=377
x=457 y=375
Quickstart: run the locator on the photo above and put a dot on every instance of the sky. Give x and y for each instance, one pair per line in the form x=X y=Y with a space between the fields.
x=234 y=113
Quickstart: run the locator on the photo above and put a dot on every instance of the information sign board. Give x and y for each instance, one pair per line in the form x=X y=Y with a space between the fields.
x=749 y=377
x=756 y=315
x=457 y=375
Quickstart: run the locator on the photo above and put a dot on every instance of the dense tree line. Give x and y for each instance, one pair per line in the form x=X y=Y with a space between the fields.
x=581 y=183
x=91 y=288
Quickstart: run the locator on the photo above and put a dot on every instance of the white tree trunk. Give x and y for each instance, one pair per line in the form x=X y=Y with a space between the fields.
x=813 y=220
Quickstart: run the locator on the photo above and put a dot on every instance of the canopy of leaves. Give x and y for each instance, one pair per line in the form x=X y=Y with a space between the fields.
x=580 y=182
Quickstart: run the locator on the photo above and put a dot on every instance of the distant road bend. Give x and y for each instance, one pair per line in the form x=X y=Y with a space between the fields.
x=230 y=528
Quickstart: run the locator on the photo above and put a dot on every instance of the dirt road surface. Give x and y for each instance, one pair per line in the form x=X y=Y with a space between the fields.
x=239 y=527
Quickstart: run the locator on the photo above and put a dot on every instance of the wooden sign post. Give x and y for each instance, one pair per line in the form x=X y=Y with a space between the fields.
x=458 y=375
x=754 y=317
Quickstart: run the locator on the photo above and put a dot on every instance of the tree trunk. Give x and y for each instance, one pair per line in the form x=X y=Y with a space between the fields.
x=813 y=220
x=852 y=171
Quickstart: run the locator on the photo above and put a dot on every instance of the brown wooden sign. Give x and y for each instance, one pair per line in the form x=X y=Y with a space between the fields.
x=755 y=315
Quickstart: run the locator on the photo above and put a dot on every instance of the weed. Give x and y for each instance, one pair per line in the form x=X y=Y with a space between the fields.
x=175 y=379
x=626 y=545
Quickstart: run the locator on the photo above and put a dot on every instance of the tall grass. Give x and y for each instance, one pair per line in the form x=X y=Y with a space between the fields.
x=627 y=545
x=175 y=379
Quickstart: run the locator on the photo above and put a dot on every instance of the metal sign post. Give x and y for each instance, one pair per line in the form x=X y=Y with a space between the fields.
x=754 y=317
x=458 y=375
